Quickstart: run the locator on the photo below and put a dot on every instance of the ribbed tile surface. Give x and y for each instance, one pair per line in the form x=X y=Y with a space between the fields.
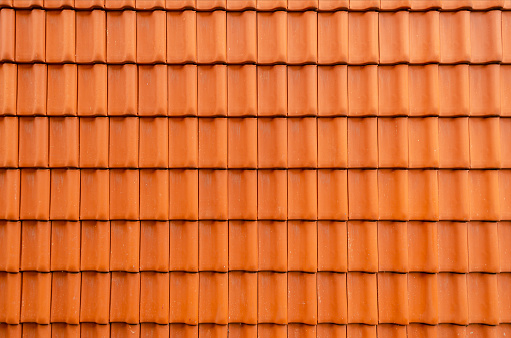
x=271 y=168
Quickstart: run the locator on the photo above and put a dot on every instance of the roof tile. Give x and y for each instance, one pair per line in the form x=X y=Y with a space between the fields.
x=423 y=142
x=124 y=246
x=332 y=90
x=121 y=33
x=213 y=303
x=10 y=286
x=10 y=234
x=393 y=142
x=362 y=247
x=124 y=194
x=10 y=193
x=272 y=36
x=483 y=299
x=33 y=142
x=181 y=36
x=363 y=35
x=154 y=194
x=394 y=37
x=453 y=195
x=332 y=36
x=393 y=90
x=453 y=247
x=60 y=35
x=242 y=142
x=484 y=195
x=332 y=194
x=454 y=86
x=92 y=90
x=182 y=90
x=213 y=246
x=453 y=142
x=63 y=142
x=94 y=194
x=332 y=298
x=272 y=298
x=95 y=247
x=302 y=246
x=272 y=90
x=123 y=148
x=65 y=247
x=152 y=90
x=213 y=202
x=153 y=143
x=35 y=194
x=362 y=299
x=7 y=33
x=184 y=307
x=272 y=194
x=302 y=301
x=154 y=246
x=422 y=298
x=243 y=246
x=422 y=254
x=184 y=194
x=211 y=34
x=122 y=89
x=392 y=298
x=452 y=298
x=30 y=33
x=423 y=195
x=302 y=90
x=243 y=297
x=425 y=36
x=241 y=34
x=424 y=91
x=455 y=43
x=32 y=88
x=392 y=246
x=154 y=297
x=8 y=88
x=362 y=142
x=302 y=34
x=125 y=298
x=213 y=143
x=484 y=93
x=363 y=194
x=242 y=90
x=393 y=194
x=65 y=298
x=36 y=297
x=363 y=90
x=272 y=247
x=212 y=90
x=242 y=190
x=184 y=238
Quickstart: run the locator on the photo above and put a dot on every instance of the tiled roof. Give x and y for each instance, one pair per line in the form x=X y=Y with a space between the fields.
x=269 y=168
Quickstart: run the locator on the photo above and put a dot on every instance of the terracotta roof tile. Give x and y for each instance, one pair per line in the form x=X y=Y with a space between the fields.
x=317 y=168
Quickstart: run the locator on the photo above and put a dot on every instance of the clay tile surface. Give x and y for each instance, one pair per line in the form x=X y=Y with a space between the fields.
x=255 y=168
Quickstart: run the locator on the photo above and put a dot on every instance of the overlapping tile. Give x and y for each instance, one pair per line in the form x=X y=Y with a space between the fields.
x=255 y=168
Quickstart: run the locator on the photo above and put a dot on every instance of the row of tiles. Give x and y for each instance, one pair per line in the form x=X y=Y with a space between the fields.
x=295 y=194
x=255 y=246
x=249 y=143
x=261 y=5
x=146 y=330
x=250 y=90
x=248 y=37
x=251 y=298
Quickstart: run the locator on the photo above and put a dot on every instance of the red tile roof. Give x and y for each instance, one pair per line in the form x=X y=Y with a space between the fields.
x=255 y=168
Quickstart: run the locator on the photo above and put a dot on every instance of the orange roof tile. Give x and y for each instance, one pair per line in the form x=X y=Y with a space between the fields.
x=255 y=168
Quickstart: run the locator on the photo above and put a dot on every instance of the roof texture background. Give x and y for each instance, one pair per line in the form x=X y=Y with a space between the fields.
x=213 y=168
